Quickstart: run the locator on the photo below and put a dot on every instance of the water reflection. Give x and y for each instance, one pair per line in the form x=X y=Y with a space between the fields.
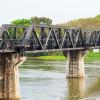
x=76 y=88
x=94 y=88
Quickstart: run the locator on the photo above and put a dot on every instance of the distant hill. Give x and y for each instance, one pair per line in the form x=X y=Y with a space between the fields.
x=85 y=23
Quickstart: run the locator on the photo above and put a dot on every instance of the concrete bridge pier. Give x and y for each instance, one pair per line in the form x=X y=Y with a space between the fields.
x=75 y=60
x=9 y=76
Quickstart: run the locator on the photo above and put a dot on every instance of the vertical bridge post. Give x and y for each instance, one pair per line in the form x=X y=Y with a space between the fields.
x=9 y=78
x=75 y=60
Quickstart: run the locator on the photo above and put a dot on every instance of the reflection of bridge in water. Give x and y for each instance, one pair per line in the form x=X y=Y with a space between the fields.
x=79 y=91
x=15 y=41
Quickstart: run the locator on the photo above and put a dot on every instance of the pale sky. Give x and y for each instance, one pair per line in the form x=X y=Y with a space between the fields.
x=58 y=10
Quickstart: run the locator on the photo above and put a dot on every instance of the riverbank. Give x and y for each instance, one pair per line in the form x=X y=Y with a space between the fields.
x=92 y=57
x=88 y=58
x=52 y=57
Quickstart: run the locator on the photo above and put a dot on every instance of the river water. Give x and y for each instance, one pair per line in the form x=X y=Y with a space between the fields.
x=46 y=80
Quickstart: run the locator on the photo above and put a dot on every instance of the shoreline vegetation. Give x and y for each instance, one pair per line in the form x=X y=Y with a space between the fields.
x=90 y=57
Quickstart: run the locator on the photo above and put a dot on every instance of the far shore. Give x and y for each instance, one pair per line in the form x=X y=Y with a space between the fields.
x=88 y=58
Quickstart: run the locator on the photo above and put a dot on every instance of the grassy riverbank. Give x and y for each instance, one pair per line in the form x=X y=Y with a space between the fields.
x=88 y=58
x=92 y=57
x=52 y=57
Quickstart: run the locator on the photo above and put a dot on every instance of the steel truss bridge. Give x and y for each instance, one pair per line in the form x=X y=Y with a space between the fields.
x=42 y=38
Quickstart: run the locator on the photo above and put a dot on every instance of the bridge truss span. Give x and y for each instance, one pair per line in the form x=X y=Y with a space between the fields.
x=41 y=38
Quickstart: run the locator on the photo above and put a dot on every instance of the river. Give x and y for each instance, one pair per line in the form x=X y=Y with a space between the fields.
x=46 y=80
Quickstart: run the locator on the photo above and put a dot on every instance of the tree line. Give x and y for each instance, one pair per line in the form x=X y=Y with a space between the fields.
x=32 y=20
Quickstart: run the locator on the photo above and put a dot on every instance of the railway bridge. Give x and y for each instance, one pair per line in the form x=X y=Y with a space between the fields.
x=16 y=41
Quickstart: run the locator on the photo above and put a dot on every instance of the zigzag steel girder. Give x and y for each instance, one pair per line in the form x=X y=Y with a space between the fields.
x=41 y=38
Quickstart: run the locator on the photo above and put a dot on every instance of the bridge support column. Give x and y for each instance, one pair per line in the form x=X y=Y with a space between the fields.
x=75 y=59
x=9 y=77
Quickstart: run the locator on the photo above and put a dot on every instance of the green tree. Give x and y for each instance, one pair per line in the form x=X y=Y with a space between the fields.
x=24 y=22
x=32 y=20
x=41 y=20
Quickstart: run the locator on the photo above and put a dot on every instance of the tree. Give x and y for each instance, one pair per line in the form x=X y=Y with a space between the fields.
x=32 y=20
x=24 y=22
x=41 y=20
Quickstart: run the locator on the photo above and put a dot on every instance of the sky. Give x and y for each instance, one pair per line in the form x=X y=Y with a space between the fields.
x=58 y=10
